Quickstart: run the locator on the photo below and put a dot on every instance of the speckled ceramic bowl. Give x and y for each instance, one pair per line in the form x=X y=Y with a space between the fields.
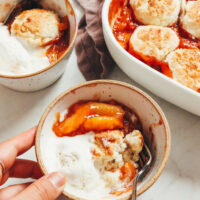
x=155 y=126
x=50 y=74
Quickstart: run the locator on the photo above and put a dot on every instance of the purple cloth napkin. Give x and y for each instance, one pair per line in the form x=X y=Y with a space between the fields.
x=93 y=58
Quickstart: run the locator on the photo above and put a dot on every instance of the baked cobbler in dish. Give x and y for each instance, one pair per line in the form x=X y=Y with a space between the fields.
x=164 y=34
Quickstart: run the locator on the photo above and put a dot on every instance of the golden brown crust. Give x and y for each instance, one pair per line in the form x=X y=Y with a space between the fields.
x=154 y=41
x=185 y=65
x=156 y=12
x=157 y=7
x=154 y=36
x=194 y=11
x=38 y=26
x=190 y=18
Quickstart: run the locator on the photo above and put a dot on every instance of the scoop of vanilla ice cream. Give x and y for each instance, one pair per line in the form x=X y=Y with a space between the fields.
x=154 y=41
x=190 y=18
x=72 y=155
x=37 y=26
x=15 y=59
x=156 y=12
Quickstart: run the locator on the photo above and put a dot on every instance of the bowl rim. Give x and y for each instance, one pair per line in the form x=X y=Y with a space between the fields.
x=73 y=13
x=107 y=28
x=94 y=83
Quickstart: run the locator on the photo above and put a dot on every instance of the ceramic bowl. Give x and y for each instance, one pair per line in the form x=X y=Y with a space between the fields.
x=149 y=78
x=47 y=76
x=155 y=126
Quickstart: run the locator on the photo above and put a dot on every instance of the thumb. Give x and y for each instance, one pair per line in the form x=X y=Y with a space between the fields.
x=46 y=188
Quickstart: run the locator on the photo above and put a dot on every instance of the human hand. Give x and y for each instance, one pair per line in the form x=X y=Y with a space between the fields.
x=48 y=187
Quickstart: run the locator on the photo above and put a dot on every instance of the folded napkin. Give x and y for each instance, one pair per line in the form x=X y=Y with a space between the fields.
x=93 y=57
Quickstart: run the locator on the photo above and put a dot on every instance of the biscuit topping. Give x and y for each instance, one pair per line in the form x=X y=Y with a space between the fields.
x=185 y=65
x=153 y=41
x=156 y=12
x=37 y=26
x=190 y=19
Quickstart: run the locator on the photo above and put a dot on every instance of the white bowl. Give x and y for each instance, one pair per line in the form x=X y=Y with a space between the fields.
x=149 y=78
x=47 y=76
x=155 y=126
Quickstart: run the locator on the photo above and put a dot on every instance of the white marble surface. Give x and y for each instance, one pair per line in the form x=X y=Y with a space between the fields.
x=181 y=178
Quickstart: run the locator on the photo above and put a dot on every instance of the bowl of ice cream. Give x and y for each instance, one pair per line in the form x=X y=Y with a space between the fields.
x=36 y=41
x=94 y=133
x=156 y=43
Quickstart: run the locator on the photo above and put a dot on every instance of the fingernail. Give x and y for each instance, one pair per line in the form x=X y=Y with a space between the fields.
x=58 y=179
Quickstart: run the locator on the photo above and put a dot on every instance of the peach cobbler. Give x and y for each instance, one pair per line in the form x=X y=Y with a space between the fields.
x=98 y=146
x=164 y=34
x=32 y=38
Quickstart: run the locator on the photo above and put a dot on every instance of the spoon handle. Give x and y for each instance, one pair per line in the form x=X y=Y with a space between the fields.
x=134 y=192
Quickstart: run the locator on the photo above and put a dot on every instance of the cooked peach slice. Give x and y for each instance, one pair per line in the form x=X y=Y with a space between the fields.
x=128 y=172
x=71 y=124
x=83 y=112
x=102 y=123
x=106 y=109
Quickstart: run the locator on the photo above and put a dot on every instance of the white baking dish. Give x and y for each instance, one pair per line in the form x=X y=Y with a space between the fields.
x=156 y=82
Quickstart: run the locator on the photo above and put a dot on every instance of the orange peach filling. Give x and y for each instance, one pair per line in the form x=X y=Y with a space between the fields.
x=91 y=116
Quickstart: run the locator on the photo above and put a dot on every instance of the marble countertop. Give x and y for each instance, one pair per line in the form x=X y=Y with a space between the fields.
x=181 y=178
